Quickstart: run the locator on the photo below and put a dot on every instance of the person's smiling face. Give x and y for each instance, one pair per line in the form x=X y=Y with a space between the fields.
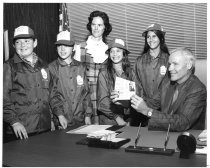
x=25 y=47
x=178 y=67
x=116 y=55
x=64 y=51
x=153 y=40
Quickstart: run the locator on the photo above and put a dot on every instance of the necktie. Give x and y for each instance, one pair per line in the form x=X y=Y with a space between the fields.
x=175 y=95
x=176 y=92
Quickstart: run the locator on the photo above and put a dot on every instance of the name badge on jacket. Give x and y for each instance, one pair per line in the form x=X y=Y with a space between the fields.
x=44 y=73
x=79 y=80
x=163 y=70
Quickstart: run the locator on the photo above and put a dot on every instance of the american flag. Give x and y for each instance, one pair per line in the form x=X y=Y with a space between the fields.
x=63 y=18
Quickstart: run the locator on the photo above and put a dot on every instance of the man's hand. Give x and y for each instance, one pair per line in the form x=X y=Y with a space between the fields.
x=63 y=121
x=20 y=130
x=139 y=104
x=87 y=121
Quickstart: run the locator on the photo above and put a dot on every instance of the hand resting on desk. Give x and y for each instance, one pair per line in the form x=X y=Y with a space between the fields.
x=20 y=130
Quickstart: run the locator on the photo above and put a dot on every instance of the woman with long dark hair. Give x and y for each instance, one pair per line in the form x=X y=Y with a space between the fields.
x=112 y=111
x=92 y=51
x=151 y=66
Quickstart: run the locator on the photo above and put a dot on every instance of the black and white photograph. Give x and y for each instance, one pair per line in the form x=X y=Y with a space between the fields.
x=63 y=62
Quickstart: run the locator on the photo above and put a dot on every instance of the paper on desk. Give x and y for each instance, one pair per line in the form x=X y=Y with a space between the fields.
x=105 y=135
x=201 y=150
x=87 y=129
x=125 y=88
x=100 y=134
x=202 y=139
x=203 y=136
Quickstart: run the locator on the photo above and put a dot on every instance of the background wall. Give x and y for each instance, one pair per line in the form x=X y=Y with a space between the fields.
x=43 y=18
x=185 y=23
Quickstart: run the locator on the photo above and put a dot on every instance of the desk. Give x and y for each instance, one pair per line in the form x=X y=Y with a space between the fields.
x=57 y=149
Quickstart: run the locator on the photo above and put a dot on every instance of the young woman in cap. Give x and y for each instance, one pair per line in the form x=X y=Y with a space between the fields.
x=111 y=111
x=73 y=84
x=92 y=51
x=151 y=66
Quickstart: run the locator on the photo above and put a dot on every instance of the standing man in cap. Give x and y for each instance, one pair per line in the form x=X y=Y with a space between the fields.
x=30 y=91
x=150 y=67
x=181 y=100
x=73 y=84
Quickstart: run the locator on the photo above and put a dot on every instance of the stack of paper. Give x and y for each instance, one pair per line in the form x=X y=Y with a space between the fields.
x=202 y=143
x=105 y=135
x=202 y=138
x=87 y=129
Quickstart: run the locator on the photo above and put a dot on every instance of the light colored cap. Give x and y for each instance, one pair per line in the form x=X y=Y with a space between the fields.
x=65 y=38
x=23 y=32
x=119 y=43
x=154 y=26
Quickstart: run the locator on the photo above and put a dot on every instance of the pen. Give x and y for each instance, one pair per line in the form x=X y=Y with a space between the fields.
x=137 y=136
x=167 y=137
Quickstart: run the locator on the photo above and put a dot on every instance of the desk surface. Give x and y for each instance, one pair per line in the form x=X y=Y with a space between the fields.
x=57 y=149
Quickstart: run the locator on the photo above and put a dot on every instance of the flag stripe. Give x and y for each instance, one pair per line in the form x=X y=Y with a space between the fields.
x=63 y=18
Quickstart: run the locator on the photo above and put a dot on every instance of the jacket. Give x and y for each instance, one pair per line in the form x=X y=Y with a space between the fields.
x=150 y=72
x=75 y=90
x=187 y=112
x=30 y=94
x=106 y=108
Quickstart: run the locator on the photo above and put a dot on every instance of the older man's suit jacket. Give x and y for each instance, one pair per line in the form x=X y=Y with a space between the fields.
x=187 y=112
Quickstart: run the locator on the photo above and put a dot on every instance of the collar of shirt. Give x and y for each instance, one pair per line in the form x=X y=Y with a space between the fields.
x=18 y=59
x=118 y=74
x=179 y=86
x=96 y=49
x=154 y=58
x=63 y=63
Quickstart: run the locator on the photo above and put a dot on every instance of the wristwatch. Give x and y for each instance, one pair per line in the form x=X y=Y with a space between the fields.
x=149 y=113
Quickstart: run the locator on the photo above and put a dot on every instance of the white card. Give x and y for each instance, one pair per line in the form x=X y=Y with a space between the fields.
x=126 y=88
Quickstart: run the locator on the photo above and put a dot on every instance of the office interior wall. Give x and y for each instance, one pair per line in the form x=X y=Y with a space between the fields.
x=185 y=23
x=43 y=18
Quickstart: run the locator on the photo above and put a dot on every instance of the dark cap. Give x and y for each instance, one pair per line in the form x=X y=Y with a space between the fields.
x=154 y=26
x=119 y=43
x=65 y=38
x=23 y=32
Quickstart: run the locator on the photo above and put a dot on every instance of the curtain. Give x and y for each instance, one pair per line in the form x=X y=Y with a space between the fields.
x=43 y=18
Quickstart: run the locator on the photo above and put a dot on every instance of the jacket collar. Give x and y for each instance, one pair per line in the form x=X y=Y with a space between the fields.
x=182 y=88
x=17 y=59
x=73 y=63
x=38 y=65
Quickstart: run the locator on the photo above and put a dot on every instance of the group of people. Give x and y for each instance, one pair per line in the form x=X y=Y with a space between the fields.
x=78 y=87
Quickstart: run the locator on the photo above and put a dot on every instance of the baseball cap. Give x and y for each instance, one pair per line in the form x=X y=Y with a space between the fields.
x=65 y=38
x=119 y=43
x=154 y=26
x=23 y=32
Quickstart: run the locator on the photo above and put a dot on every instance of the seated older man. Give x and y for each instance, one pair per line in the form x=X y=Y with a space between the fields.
x=181 y=101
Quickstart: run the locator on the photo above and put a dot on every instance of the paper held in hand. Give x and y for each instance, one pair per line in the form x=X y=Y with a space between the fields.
x=126 y=88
